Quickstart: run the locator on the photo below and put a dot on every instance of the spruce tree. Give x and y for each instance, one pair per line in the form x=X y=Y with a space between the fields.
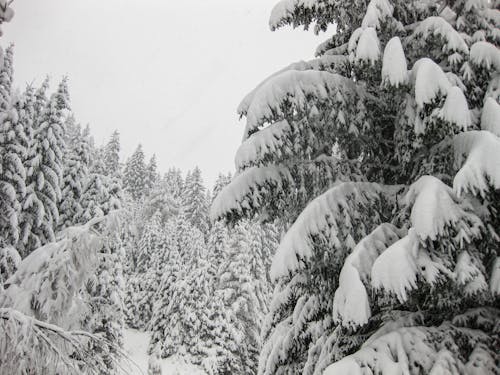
x=13 y=151
x=194 y=202
x=44 y=167
x=151 y=174
x=382 y=178
x=112 y=154
x=174 y=181
x=135 y=174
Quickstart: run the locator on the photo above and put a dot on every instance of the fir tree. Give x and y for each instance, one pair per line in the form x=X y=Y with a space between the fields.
x=330 y=147
x=135 y=174
x=151 y=174
x=13 y=151
x=112 y=154
x=174 y=182
x=195 y=204
x=44 y=169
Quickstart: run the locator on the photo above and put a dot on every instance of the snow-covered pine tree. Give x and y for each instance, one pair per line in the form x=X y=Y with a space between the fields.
x=151 y=174
x=112 y=154
x=391 y=263
x=13 y=151
x=135 y=174
x=44 y=168
x=75 y=176
x=173 y=271
x=152 y=249
x=174 y=181
x=194 y=202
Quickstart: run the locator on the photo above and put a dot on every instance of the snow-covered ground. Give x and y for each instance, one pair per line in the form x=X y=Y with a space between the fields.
x=136 y=345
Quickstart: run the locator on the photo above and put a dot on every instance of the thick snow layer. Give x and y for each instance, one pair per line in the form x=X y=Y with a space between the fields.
x=319 y=216
x=285 y=9
x=485 y=54
x=482 y=162
x=368 y=48
x=468 y=275
x=320 y=63
x=456 y=109
x=394 y=67
x=434 y=207
x=429 y=80
x=235 y=195
x=350 y=305
x=377 y=11
x=136 y=345
x=295 y=87
x=258 y=145
x=438 y=26
x=396 y=269
x=490 y=116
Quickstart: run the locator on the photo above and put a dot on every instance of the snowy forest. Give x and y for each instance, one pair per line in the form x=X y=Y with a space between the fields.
x=359 y=232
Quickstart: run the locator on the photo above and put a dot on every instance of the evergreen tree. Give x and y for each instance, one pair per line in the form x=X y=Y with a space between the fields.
x=135 y=174
x=330 y=147
x=13 y=150
x=75 y=176
x=194 y=202
x=174 y=182
x=44 y=169
x=112 y=154
x=151 y=174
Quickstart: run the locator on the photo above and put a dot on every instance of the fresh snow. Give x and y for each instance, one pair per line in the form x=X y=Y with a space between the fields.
x=490 y=116
x=485 y=54
x=377 y=11
x=368 y=48
x=455 y=109
x=430 y=81
x=136 y=345
x=350 y=304
x=294 y=86
x=258 y=145
x=438 y=26
x=481 y=170
x=394 y=67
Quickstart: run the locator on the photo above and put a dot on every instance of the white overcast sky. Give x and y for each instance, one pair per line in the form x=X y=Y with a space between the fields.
x=167 y=74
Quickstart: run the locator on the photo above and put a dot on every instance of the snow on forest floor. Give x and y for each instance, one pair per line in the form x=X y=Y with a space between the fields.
x=136 y=345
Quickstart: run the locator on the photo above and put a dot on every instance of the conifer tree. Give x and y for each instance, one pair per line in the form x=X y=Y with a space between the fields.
x=135 y=174
x=112 y=154
x=369 y=164
x=13 y=150
x=44 y=169
x=75 y=177
x=151 y=174
x=195 y=204
x=174 y=182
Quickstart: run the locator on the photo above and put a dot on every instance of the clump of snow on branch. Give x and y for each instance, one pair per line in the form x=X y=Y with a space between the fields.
x=438 y=26
x=435 y=208
x=396 y=269
x=235 y=197
x=376 y=12
x=485 y=54
x=429 y=80
x=297 y=87
x=319 y=215
x=350 y=305
x=468 y=275
x=481 y=170
x=455 y=109
x=394 y=67
x=406 y=349
x=320 y=63
x=368 y=46
x=490 y=116
x=259 y=144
